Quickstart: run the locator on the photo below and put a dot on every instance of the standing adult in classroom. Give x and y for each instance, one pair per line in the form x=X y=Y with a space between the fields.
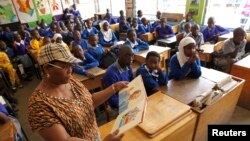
x=61 y=108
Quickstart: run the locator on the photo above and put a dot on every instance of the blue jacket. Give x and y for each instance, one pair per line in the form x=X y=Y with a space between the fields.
x=96 y=52
x=164 y=31
x=19 y=50
x=209 y=33
x=140 y=30
x=112 y=76
x=43 y=32
x=141 y=45
x=88 y=62
x=148 y=28
x=152 y=82
x=86 y=33
x=107 y=43
x=124 y=27
x=82 y=43
x=177 y=72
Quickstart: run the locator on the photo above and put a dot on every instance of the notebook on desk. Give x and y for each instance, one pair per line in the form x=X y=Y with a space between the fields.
x=162 y=112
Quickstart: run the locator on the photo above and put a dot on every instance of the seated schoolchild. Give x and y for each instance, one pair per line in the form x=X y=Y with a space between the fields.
x=36 y=42
x=139 y=16
x=121 y=70
x=186 y=62
x=188 y=19
x=89 y=30
x=135 y=43
x=121 y=15
x=79 y=41
x=95 y=49
x=137 y=27
x=152 y=75
x=146 y=25
x=108 y=17
x=124 y=26
x=233 y=49
x=212 y=31
x=58 y=40
x=88 y=61
x=6 y=65
x=106 y=36
x=196 y=35
x=187 y=29
x=157 y=21
x=164 y=30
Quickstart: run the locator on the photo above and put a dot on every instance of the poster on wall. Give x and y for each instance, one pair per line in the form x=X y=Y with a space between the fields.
x=7 y=12
x=25 y=10
x=56 y=7
x=42 y=7
x=67 y=3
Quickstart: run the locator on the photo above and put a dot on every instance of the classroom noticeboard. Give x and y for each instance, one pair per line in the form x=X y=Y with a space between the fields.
x=132 y=104
x=7 y=12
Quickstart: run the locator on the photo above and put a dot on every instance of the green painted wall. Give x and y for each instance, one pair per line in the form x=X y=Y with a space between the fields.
x=47 y=18
x=197 y=9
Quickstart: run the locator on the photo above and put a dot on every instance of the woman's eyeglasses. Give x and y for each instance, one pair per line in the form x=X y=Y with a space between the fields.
x=61 y=67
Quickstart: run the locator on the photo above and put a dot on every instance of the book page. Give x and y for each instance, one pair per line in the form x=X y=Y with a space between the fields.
x=132 y=104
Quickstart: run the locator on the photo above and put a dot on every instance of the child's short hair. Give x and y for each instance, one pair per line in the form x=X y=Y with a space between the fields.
x=239 y=31
x=154 y=54
x=130 y=31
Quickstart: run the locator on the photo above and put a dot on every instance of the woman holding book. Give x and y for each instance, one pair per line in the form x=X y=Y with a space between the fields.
x=61 y=108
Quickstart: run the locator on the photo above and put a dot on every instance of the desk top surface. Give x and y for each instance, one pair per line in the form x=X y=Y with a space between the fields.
x=158 y=49
x=168 y=40
x=94 y=71
x=208 y=48
x=188 y=89
x=245 y=62
x=226 y=36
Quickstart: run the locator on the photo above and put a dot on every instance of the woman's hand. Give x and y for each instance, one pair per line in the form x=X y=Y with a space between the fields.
x=119 y=85
x=114 y=136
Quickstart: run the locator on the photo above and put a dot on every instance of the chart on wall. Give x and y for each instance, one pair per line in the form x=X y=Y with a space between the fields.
x=25 y=10
x=67 y=3
x=42 y=7
x=56 y=7
x=7 y=12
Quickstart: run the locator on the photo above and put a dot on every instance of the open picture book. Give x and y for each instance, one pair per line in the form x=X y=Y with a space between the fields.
x=132 y=106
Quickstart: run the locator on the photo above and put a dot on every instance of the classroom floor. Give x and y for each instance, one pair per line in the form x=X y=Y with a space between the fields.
x=240 y=116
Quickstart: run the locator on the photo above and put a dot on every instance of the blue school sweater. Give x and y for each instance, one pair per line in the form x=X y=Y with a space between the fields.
x=110 y=20
x=88 y=62
x=177 y=72
x=19 y=49
x=124 y=27
x=82 y=43
x=96 y=52
x=152 y=81
x=114 y=74
x=86 y=33
x=209 y=33
x=141 y=45
x=148 y=28
x=107 y=43
x=43 y=32
x=164 y=31
x=50 y=33
x=140 y=30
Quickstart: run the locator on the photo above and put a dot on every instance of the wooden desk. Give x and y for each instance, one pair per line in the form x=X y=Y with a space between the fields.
x=114 y=27
x=242 y=69
x=206 y=55
x=183 y=127
x=225 y=36
x=91 y=83
x=220 y=112
x=148 y=37
x=163 y=51
x=167 y=41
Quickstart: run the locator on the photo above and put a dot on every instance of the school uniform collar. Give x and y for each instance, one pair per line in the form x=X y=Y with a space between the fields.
x=92 y=47
x=120 y=69
x=89 y=29
x=154 y=73
x=132 y=44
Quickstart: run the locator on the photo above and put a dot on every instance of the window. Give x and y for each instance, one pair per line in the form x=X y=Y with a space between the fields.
x=104 y=5
x=233 y=13
x=148 y=7
x=172 y=6
x=86 y=8
x=116 y=6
